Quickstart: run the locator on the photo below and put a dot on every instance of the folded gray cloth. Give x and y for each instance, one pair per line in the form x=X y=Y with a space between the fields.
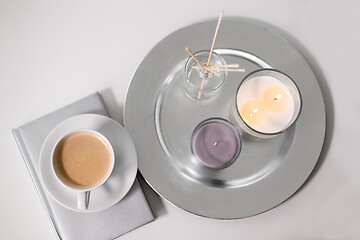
x=131 y=212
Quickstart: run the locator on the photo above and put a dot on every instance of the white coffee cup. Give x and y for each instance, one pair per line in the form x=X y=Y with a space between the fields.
x=83 y=192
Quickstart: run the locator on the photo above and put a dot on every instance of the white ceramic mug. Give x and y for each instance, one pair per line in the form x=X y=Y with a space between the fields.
x=83 y=194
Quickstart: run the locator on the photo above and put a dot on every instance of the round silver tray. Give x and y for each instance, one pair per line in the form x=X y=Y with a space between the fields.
x=161 y=118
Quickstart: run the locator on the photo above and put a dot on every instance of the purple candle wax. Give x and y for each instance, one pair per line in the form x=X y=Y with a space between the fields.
x=216 y=143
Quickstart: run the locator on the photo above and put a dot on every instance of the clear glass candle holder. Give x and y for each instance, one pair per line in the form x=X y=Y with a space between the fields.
x=194 y=76
x=267 y=103
x=215 y=143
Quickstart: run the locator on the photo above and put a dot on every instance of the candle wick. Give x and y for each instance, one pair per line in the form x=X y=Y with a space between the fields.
x=278 y=97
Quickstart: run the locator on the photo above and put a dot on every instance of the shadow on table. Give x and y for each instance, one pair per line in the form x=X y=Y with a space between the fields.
x=116 y=112
x=153 y=198
x=115 y=109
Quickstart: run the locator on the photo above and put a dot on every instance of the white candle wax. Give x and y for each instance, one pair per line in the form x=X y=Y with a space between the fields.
x=253 y=91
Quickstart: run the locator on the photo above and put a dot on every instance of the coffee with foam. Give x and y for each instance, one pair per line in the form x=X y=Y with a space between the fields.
x=82 y=160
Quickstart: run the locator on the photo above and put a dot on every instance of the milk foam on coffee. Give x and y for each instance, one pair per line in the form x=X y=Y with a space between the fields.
x=82 y=160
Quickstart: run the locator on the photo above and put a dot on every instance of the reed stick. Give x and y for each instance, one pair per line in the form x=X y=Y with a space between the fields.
x=227 y=69
x=195 y=58
x=211 y=51
x=224 y=66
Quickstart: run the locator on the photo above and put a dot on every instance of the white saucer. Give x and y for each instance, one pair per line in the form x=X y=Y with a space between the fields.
x=122 y=177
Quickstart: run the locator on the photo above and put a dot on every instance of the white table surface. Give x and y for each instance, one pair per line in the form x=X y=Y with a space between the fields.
x=55 y=52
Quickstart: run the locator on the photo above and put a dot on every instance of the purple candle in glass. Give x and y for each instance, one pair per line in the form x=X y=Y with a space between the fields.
x=216 y=143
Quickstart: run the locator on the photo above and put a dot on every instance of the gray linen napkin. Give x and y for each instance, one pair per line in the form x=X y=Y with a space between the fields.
x=131 y=212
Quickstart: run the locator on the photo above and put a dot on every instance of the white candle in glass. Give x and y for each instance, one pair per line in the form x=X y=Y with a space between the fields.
x=265 y=104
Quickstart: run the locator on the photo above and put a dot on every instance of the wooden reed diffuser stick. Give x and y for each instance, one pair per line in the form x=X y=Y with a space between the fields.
x=211 y=51
x=213 y=71
x=229 y=66
x=199 y=63
x=195 y=58
x=226 y=66
x=227 y=69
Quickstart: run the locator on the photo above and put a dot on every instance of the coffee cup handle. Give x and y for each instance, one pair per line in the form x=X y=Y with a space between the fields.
x=83 y=200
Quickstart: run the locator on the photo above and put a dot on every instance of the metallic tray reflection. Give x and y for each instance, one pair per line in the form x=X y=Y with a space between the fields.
x=160 y=118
